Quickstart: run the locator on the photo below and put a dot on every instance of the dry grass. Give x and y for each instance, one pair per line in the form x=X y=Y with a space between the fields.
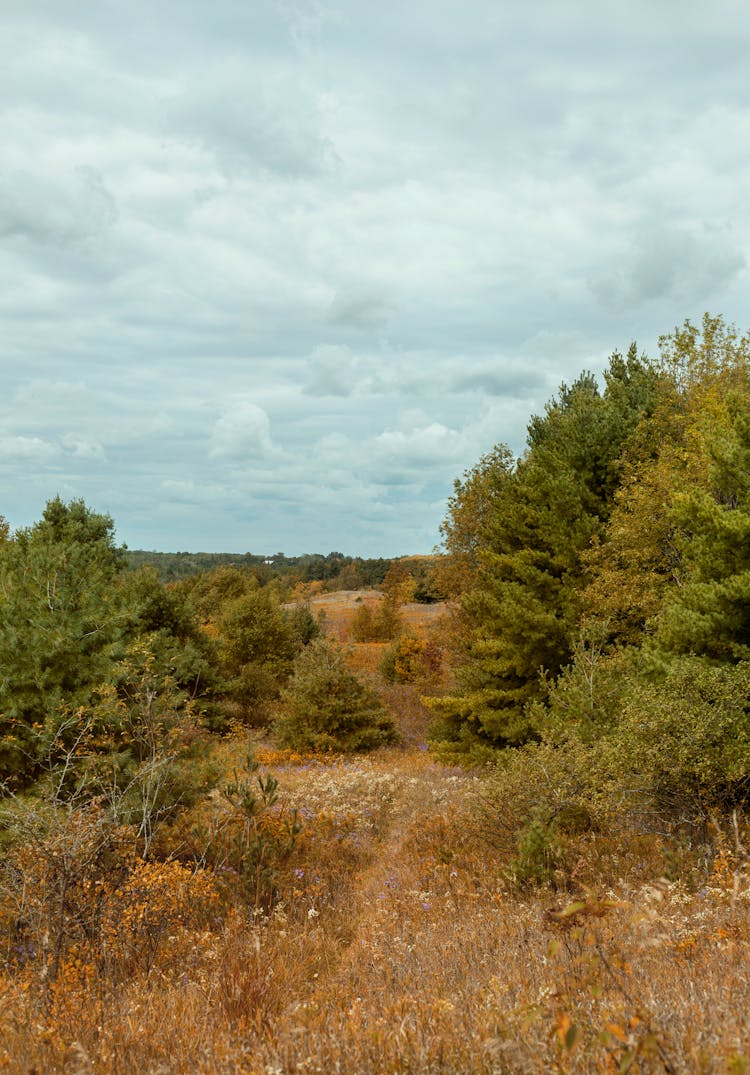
x=398 y=945
x=340 y=608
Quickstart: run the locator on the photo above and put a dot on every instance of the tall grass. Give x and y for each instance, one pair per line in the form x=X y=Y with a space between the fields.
x=399 y=943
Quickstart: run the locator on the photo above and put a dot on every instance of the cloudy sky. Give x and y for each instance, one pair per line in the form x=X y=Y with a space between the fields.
x=274 y=272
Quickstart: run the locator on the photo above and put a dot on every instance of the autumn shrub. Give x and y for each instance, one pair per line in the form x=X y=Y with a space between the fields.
x=682 y=743
x=410 y=660
x=60 y=861
x=149 y=919
x=144 y=751
x=379 y=624
x=325 y=707
x=249 y=840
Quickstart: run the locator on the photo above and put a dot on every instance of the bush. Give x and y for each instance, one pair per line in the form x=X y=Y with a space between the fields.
x=377 y=625
x=257 y=646
x=325 y=707
x=410 y=660
x=684 y=740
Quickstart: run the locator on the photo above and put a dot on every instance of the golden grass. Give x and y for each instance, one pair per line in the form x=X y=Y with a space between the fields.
x=398 y=945
x=340 y=608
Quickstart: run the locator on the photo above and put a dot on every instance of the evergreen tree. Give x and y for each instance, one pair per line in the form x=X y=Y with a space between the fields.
x=60 y=613
x=708 y=615
x=543 y=514
x=325 y=707
x=257 y=646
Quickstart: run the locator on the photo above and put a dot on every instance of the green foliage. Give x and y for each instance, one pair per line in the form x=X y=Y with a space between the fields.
x=144 y=750
x=683 y=740
x=257 y=646
x=470 y=511
x=534 y=522
x=253 y=839
x=540 y=854
x=709 y=613
x=325 y=707
x=380 y=624
x=209 y=592
x=304 y=626
x=60 y=616
x=537 y=796
x=165 y=616
x=609 y=607
x=585 y=701
x=72 y=624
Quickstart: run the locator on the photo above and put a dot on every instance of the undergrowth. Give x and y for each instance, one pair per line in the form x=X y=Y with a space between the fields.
x=367 y=915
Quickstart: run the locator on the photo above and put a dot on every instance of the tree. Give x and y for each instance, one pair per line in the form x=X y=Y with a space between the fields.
x=60 y=613
x=144 y=747
x=69 y=616
x=534 y=522
x=325 y=707
x=708 y=615
x=470 y=509
x=257 y=646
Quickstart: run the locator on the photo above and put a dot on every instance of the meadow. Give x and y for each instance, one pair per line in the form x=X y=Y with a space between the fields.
x=386 y=934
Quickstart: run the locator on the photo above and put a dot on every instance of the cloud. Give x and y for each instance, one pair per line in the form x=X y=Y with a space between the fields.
x=500 y=379
x=27 y=450
x=82 y=448
x=259 y=117
x=664 y=263
x=360 y=309
x=242 y=432
x=304 y=262
x=432 y=444
x=66 y=209
x=331 y=372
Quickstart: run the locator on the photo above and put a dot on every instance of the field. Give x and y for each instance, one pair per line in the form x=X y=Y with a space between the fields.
x=393 y=939
x=340 y=607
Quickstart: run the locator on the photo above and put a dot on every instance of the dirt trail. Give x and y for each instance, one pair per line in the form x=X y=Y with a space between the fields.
x=392 y=879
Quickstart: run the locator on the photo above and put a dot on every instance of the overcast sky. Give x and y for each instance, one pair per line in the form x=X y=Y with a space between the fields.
x=274 y=272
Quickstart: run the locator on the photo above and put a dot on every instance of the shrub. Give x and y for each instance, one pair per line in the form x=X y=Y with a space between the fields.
x=257 y=647
x=410 y=660
x=380 y=624
x=252 y=837
x=684 y=739
x=325 y=707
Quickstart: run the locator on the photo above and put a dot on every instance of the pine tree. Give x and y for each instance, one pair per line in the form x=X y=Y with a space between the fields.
x=544 y=513
x=60 y=614
x=325 y=707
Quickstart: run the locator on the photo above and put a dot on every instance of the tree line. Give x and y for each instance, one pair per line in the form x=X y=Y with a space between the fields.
x=334 y=570
x=112 y=682
x=603 y=580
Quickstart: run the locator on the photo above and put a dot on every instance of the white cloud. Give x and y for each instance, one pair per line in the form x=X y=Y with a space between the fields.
x=82 y=448
x=427 y=446
x=304 y=262
x=26 y=450
x=331 y=372
x=243 y=432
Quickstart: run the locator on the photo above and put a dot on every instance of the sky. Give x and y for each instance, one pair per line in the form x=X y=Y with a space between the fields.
x=273 y=273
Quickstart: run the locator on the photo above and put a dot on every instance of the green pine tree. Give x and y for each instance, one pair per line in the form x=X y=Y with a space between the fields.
x=525 y=605
x=325 y=707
